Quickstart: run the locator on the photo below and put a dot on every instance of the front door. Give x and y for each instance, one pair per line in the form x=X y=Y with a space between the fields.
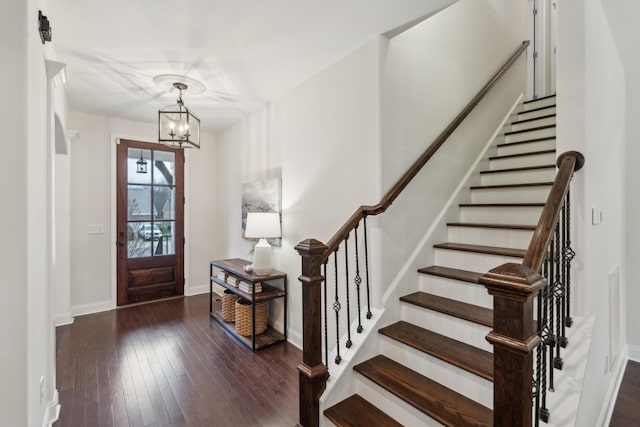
x=150 y=210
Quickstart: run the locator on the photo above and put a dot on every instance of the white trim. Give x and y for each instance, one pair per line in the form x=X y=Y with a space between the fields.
x=437 y=222
x=96 y=307
x=52 y=413
x=196 y=290
x=294 y=337
x=63 y=319
x=610 y=399
x=633 y=353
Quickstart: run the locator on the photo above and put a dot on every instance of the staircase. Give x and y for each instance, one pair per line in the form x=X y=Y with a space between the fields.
x=435 y=365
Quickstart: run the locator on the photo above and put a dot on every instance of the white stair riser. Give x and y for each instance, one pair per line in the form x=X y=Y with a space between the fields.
x=470 y=260
x=534 y=123
x=490 y=237
x=501 y=215
x=545 y=102
x=518 y=177
x=545 y=144
x=471 y=293
x=392 y=405
x=537 y=113
x=523 y=161
x=532 y=134
x=457 y=379
x=536 y=194
x=452 y=327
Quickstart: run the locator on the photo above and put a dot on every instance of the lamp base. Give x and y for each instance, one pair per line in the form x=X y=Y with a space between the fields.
x=262 y=258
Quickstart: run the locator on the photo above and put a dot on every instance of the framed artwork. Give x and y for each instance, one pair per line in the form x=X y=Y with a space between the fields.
x=262 y=196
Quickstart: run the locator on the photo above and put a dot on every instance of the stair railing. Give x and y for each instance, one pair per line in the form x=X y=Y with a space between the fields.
x=313 y=373
x=545 y=273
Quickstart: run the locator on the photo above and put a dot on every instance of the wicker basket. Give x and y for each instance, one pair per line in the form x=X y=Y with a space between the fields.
x=243 y=317
x=228 y=306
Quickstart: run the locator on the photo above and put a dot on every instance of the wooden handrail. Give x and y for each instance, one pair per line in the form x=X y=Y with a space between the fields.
x=567 y=163
x=400 y=185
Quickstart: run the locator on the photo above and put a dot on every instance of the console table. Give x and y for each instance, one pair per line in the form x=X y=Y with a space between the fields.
x=274 y=285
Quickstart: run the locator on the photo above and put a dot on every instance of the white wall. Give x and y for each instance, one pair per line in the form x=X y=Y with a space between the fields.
x=93 y=202
x=430 y=73
x=13 y=251
x=591 y=116
x=322 y=138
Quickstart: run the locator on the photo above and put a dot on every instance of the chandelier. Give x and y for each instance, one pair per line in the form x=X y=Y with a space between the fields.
x=177 y=126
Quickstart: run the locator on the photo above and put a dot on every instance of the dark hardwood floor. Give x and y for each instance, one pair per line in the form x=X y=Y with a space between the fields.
x=167 y=364
x=626 y=412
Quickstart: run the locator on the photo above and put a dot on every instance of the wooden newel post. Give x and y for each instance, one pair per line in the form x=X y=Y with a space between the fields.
x=514 y=337
x=312 y=373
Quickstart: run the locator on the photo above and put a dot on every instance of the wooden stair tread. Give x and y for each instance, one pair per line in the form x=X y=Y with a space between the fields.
x=501 y=205
x=355 y=411
x=437 y=401
x=528 y=153
x=452 y=273
x=484 y=225
x=526 y=184
x=518 y=122
x=461 y=310
x=515 y=132
x=539 y=99
x=526 y=141
x=518 y=169
x=457 y=353
x=492 y=250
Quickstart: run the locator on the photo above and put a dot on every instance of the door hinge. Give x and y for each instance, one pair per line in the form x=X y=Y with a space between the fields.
x=184 y=200
x=184 y=241
x=535 y=55
x=535 y=12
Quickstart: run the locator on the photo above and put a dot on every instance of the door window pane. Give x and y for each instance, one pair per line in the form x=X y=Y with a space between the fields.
x=133 y=174
x=164 y=203
x=166 y=244
x=137 y=245
x=139 y=202
x=164 y=167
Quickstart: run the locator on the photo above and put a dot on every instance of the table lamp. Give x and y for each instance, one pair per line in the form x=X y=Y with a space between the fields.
x=263 y=226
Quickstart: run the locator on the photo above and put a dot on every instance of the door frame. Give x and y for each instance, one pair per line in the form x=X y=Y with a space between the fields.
x=115 y=138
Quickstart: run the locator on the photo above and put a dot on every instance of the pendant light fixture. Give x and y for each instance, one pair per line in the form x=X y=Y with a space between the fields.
x=177 y=126
x=141 y=164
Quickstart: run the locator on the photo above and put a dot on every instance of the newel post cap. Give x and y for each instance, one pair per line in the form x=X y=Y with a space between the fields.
x=310 y=247
x=513 y=278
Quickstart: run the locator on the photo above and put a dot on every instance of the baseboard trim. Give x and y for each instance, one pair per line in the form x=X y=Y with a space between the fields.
x=52 y=413
x=610 y=400
x=63 y=319
x=295 y=338
x=96 y=307
x=633 y=353
x=197 y=290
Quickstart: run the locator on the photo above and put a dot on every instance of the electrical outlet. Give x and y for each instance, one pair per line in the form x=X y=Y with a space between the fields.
x=41 y=389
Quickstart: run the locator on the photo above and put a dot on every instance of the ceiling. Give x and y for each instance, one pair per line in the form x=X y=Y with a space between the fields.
x=246 y=52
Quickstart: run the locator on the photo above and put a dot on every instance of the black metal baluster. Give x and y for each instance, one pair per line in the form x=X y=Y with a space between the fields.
x=326 y=319
x=563 y=301
x=551 y=342
x=346 y=284
x=536 y=378
x=569 y=254
x=557 y=291
x=543 y=411
x=366 y=263
x=336 y=308
x=358 y=281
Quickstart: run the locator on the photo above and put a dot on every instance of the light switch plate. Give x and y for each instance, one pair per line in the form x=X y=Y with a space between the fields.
x=96 y=228
x=596 y=216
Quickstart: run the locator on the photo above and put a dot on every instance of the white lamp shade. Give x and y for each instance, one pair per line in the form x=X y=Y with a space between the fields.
x=262 y=225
